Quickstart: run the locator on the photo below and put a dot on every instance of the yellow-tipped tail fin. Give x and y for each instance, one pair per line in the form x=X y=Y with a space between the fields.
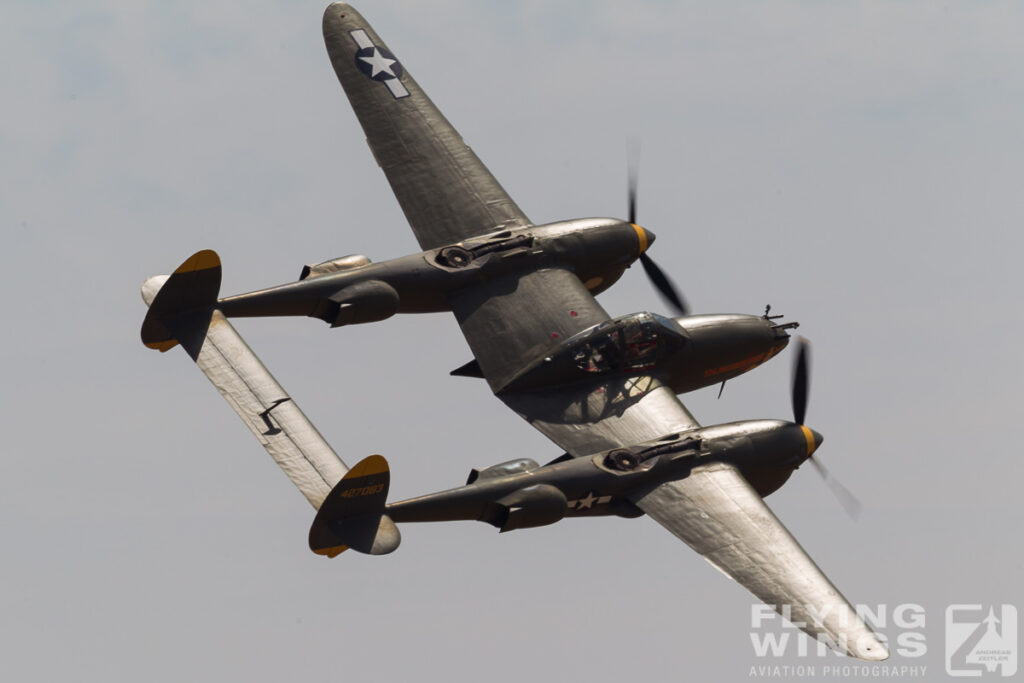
x=352 y=515
x=181 y=308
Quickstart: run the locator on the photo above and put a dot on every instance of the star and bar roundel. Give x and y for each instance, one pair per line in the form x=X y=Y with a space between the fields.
x=377 y=63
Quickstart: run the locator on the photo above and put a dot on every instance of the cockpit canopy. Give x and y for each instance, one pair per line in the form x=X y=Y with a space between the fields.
x=632 y=343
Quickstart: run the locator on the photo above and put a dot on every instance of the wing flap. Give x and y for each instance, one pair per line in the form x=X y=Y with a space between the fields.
x=717 y=513
x=264 y=406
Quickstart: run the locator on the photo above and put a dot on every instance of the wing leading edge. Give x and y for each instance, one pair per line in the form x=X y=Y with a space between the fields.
x=444 y=189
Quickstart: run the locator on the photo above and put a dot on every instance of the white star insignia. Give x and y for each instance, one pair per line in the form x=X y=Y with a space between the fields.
x=586 y=503
x=379 y=64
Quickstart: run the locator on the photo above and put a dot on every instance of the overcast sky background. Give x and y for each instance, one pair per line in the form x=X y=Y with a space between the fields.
x=856 y=165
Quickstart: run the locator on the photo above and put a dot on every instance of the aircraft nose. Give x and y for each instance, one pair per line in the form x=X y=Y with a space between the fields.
x=818 y=438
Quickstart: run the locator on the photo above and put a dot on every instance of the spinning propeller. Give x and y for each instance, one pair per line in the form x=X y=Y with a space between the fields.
x=801 y=382
x=656 y=275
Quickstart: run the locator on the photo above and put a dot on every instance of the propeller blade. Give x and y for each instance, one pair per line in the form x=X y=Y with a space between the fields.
x=654 y=273
x=632 y=193
x=664 y=285
x=849 y=501
x=801 y=381
x=801 y=388
x=632 y=170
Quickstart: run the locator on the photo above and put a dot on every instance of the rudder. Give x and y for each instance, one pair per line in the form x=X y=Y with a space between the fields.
x=352 y=515
x=182 y=307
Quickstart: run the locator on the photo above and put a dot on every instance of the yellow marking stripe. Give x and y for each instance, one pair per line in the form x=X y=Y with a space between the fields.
x=375 y=464
x=333 y=551
x=163 y=345
x=810 y=439
x=201 y=260
x=641 y=236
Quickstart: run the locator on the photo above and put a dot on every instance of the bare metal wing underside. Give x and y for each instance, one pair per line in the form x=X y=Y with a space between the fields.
x=613 y=413
x=447 y=194
x=717 y=513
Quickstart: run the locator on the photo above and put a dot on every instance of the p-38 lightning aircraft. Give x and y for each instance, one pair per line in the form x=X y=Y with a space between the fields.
x=602 y=389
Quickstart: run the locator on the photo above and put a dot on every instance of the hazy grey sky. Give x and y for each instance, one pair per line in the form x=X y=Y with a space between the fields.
x=856 y=165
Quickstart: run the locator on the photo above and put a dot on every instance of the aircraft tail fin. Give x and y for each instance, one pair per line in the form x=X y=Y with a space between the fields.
x=352 y=515
x=180 y=311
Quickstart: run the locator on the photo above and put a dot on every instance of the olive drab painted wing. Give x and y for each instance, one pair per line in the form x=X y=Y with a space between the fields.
x=447 y=195
x=446 y=192
x=517 y=317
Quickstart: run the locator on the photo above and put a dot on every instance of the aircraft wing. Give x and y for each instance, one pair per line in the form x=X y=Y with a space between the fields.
x=446 y=192
x=717 y=513
x=512 y=319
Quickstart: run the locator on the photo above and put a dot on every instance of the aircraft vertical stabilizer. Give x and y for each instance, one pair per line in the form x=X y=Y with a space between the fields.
x=353 y=515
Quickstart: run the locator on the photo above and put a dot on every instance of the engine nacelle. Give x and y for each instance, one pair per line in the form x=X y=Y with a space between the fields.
x=765 y=451
x=528 y=507
x=350 y=262
x=362 y=302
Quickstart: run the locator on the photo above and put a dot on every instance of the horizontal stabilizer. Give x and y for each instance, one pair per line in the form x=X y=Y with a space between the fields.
x=253 y=393
x=353 y=516
x=181 y=308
